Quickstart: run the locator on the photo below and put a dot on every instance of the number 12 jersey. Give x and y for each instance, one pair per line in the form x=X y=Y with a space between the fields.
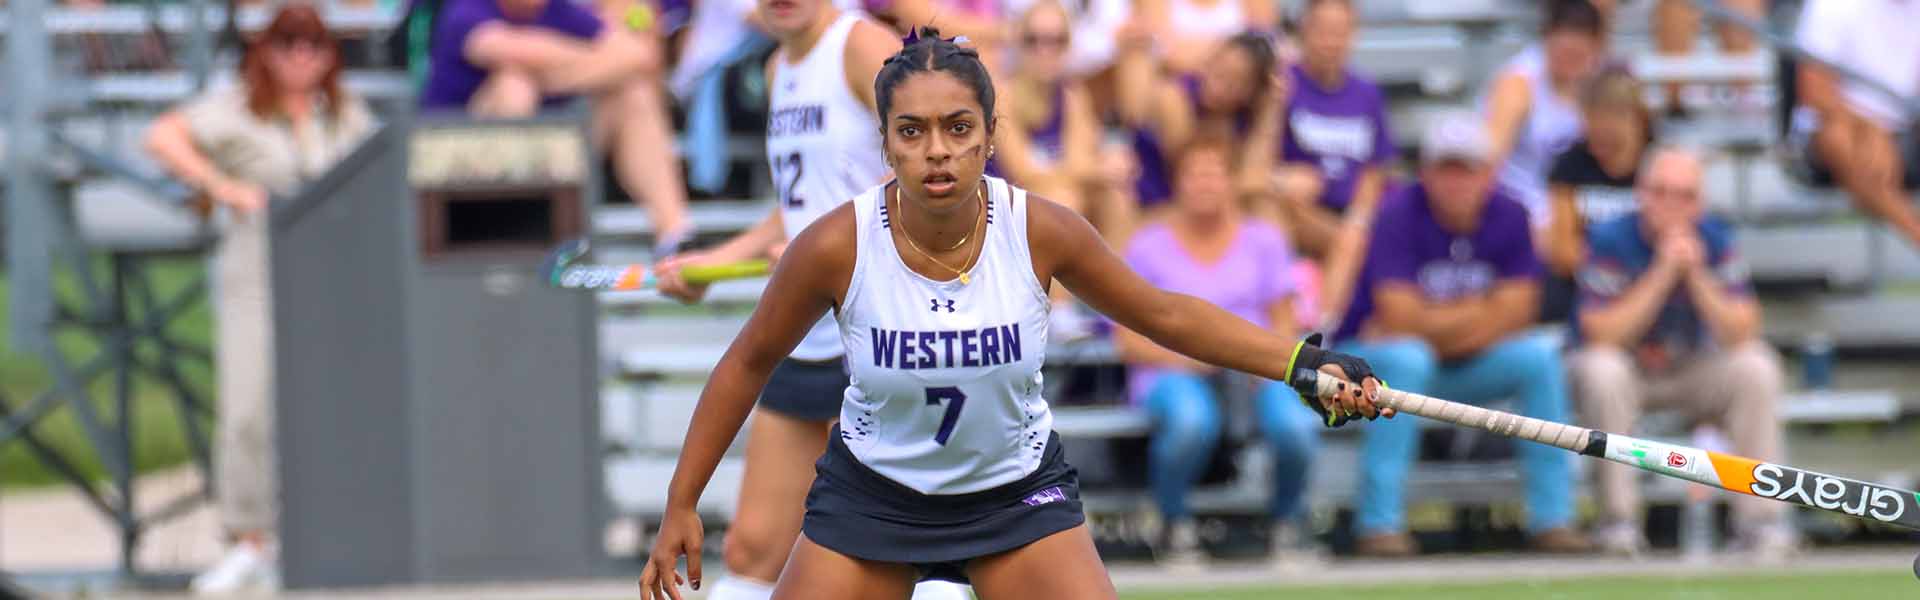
x=823 y=145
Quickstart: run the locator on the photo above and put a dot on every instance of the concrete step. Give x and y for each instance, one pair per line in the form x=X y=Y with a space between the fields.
x=1878 y=322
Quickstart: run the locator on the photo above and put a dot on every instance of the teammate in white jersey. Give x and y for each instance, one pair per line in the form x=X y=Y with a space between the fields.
x=823 y=144
x=943 y=465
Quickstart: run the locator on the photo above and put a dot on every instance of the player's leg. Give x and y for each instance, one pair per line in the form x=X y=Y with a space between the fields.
x=781 y=450
x=1186 y=429
x=1527 y=367
x=1062 y=566
x=1608 y=388
x=816 y=572
x=1388 y=447
x=1292 y=433
x=633 y=119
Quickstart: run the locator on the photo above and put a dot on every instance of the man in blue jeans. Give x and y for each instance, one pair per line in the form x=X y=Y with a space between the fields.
x=1443 y=308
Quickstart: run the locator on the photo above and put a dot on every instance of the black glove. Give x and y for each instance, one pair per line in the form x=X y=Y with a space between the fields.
x=1308 y=356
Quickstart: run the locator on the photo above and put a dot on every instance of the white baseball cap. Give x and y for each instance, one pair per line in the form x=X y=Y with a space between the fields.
x=1456 y=136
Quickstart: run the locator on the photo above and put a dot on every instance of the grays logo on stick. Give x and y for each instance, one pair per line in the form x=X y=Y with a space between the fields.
x=590 y=276
x=1828 y=493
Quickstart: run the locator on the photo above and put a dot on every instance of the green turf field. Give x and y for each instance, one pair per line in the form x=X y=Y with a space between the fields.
x=158 y=441
x=1893 y=584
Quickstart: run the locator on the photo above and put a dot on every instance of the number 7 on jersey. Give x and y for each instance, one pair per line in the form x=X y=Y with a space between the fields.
x=952 y=417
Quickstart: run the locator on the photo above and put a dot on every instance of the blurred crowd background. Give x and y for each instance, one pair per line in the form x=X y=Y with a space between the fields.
x=1589 y=211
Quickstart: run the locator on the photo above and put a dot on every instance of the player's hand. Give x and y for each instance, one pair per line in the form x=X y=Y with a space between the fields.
x=1356 y=396
x=669 y=283
x=680 y=535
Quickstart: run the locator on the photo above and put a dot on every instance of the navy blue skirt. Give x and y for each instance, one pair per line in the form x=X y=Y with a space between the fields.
x=806 y=390
x=857 y=512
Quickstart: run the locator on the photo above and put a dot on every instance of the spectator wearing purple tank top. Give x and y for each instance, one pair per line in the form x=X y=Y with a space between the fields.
x=1203 y=246
x=1050 y=135
x=1334 y=151
x=1237 y=96
x=514 y=58
x=1048 y=140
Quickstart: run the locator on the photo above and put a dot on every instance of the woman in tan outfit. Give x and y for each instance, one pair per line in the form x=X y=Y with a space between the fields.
x=282 y=124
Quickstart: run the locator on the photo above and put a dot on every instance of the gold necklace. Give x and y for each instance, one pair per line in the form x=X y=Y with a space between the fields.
x=898 y=202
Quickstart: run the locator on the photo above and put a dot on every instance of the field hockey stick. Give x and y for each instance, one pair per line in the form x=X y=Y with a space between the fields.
x=1821 y=491
x=563 y=269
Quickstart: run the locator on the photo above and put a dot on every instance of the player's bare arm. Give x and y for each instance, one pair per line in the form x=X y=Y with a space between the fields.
x=803 y=287
x=1067 y=248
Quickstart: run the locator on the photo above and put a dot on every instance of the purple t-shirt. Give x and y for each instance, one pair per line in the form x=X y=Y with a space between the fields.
x=1341 y=132
x=451 y=80
x=1409 y=246
x=1255 y=272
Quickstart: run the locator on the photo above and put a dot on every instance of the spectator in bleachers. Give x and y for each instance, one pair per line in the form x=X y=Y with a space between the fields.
x=1049 y=132
x=514 y=58
x=1676 y=34
x=1094 y=48
x=1335 y=147
x=1854 y=134
x=1669 y=321
x=1531 y=110
x=1188 y=33
x=1048 y=140
x=1204 y=247
x=1592 y=182
x=285 y=122
x=1444 y=308
x=1237 y=96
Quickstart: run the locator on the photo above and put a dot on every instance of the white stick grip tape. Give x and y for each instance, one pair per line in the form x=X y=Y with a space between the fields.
x=1466 y=415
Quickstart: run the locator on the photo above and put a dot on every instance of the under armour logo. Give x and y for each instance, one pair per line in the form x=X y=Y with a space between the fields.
x=936 y=305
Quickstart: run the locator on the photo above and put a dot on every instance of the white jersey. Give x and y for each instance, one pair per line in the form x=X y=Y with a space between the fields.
x=945 y=394
x=824 y=147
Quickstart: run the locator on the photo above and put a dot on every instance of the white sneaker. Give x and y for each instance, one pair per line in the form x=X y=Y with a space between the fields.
x=246 y=567
x=1181 y=551
x=1291 y=550
x=1620 y=539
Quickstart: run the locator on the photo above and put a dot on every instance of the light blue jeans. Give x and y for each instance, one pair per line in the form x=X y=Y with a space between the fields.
x=1524 y=367
x=1187 y=423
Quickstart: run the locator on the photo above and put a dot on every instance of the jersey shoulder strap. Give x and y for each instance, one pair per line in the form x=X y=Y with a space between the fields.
x=1007 y=205
x=869 y=231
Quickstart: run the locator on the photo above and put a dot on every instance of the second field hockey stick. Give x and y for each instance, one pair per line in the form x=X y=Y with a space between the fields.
x=563 y=269
x=1830 y=493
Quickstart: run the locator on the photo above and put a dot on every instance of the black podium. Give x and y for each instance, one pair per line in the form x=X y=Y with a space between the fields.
x=437 y=403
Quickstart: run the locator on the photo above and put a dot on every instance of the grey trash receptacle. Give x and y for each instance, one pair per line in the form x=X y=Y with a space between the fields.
x=438 y=409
